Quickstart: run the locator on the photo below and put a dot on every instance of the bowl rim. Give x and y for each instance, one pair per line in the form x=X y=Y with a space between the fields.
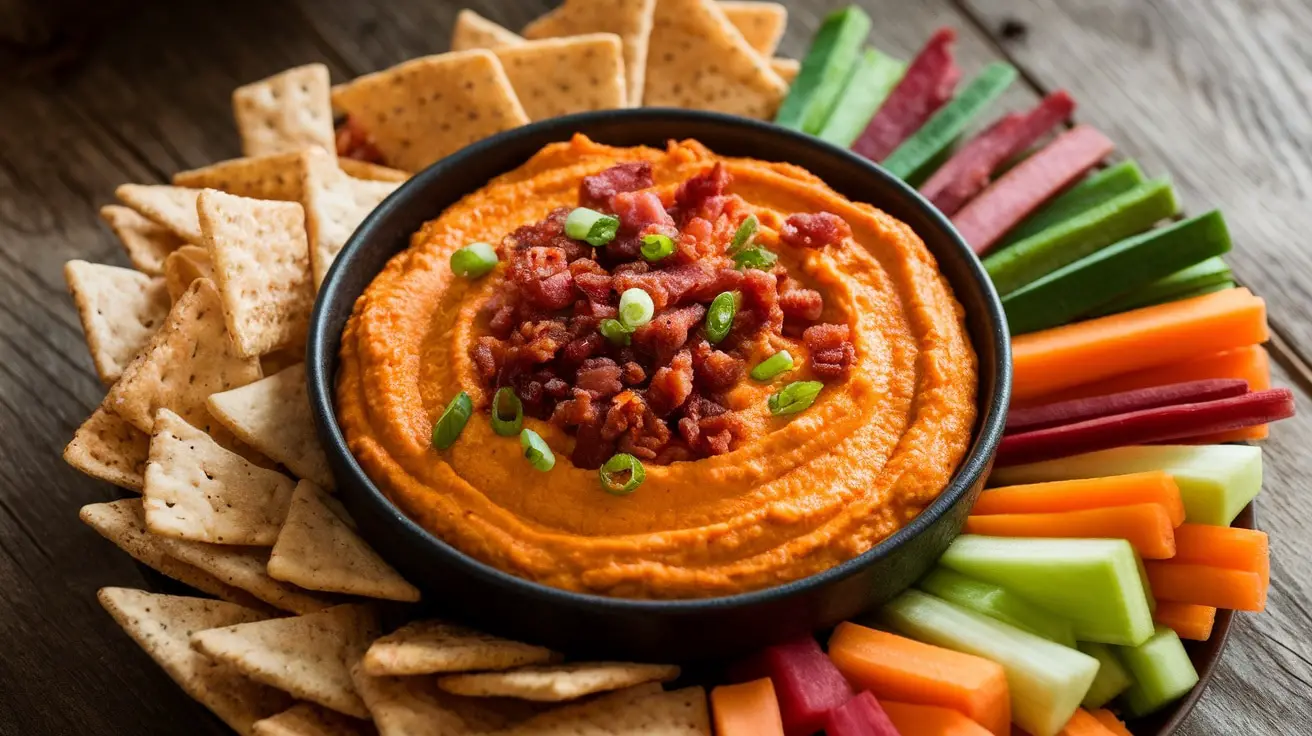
x=970 y=470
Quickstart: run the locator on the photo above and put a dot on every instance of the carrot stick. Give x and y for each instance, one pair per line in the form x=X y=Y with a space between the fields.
x=1079 y=495
x=907 y=671
x=747 y=709
x=1082 y=723
x=1063 y=357
x=1205 y=585
x=1244 y=434
x=1189 y=620
x=1070 y=411
x=1147 y=526
x=930 y=720
x=1223 y=546
x=1109 y=720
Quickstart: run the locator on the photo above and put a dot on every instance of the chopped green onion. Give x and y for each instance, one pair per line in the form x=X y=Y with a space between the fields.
x=614 y=471
x=794 y=397
x=719 y=318
x=636 y=308
x=755 y=257
x=452 y=422
x=506 y=402
x=536 y=451
x=591 y=226
x=743 y=237
x=615 y=331
x=474 y=260
x=656 y=247
x=780 y=362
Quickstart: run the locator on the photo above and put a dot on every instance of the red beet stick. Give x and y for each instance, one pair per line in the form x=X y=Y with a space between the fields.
x=1078 y=410
x=928 y=83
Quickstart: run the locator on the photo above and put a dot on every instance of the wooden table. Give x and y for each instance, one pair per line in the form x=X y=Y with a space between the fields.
x=1215 y=92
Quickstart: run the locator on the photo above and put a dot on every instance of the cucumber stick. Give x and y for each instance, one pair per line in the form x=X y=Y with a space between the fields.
x=1091 y=192
x=1112 y=679
x=815 y=92
x=946 y=125
x=1161 y=671
x=998 y=603
x=1203 y=278
x=873 y=76
x=1097 y=227
x=1080 y=287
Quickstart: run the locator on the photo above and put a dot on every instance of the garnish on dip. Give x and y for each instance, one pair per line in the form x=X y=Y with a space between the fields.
x=536 y=451
x=775 y=365
x=591 y=226
x=507 y=412
x=453 y=421
x=796 y=397
x=474 y=260
x=622 y=474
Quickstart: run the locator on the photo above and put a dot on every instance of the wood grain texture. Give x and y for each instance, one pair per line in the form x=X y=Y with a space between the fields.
x=1217 y=97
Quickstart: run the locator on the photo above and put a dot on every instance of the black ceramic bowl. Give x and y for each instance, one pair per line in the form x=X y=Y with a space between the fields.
x=462 y=588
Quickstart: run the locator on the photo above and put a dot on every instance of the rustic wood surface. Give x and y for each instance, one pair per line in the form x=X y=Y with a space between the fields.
x=1215 y=92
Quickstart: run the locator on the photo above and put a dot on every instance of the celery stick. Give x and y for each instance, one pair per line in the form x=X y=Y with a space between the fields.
x=1067 y=242
x=1161 y=671
x=833 y=51
x=998 y=603
x=1095 y=189
x=1199 y=279
x=872 y=78
x=1046 y=680
x=1112 y=679
x=937 y=134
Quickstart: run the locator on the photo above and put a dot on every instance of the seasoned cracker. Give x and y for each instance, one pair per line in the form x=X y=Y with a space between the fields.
x=761 y=23
x=556 y=682
x=108 y=448
x=308 y=719
x=631 y=21
x=274 y=176
x=245 y=568
x=786 y=68
x=560 y=76
x=414 y=706
x=335 y=205
x=370 y=171
x=287 y=112
x=644 y=709
x=171 y=207
x=273 y=416
x=146 y=242
x=119 y=308
x=431 y=646
x=185 y=265
x=473 y=31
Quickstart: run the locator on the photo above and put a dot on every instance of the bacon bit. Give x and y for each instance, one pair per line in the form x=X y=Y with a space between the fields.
x=548 y=233
x=709 y=428
x=927 y=84
x=802 y=304
x=804 y=230
x=591 y=450
x=353 y=141
x=599 y=377
x=715 y=370
x=642 y=213
x=578 y=410
x=543 y=277
x=668 y=332
x=760 y=292
x=596 y=191
x=694 y=192
x=671 y=385
x=581 y=348
x=486 y=354
x=633 y=426
x=831 y=349
x=633 y=374
x=537 y=342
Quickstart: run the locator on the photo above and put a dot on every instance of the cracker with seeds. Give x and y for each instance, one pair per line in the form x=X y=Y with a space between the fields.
x=557 y=682
x=288 y=112
x=108 y=448
x=185 y=265
x=274 y=176
x=560 y=76
x=473 y=31
x=146 y=242
x=335 y=205
x=414 y=706
x=308 y=719
x=173 y=208
x=432 y=646
x=631 y=21
x=761 y=23
x=245 y=568
x=644 y=709
x=119 y=308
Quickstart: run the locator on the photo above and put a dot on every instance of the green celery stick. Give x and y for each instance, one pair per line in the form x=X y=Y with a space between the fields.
x=1203 y=278
x=1091 y=192
x=1161 y=672
x=1079 y=287
x=1097 y=227
x=946 y=125
x=1111 y=680
x=833 y=51
x=997 y=602
x=872 y=78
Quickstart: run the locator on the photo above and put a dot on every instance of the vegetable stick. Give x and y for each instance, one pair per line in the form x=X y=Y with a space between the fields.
x=926 y=86
x=1224 y=546
x=1063 y=357
x=1205 y=585
x=1111 y=722
x=815 y=91
x=860 y=716
x=1147 y=526
x=1250 y=363
x=1084 y=724
x=1077 y=410
x=1244 y=434
x=872 y=79
x=746 y=709
x=1088 y=193
x=930 y=720
x=1155 y=487
x=1189 y=620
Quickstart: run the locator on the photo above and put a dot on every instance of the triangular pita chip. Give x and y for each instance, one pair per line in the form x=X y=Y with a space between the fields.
x=308 y=656
x=473 y=31
x=123 y=522
x=162 y=625
x=290 y=111
x=245 y=568
x=146 y=242
x=308 y=719
x=273 y=416
x=761 y=23
x=631 y=21
x=431 y=646
x=559 y=76
x=637 y=711
x=414 y=706
x=370 y=171
x=185 y=265
x=172 y=207
x=422 y=110
x=108 y=448
x=273 y=176
x=197 y=490
x=786 y=68
x=335 y=205
x=120 y=309
x=685 y=34
x=557 y=682
x=318 y=550
x=262 y=268
x=189 y=358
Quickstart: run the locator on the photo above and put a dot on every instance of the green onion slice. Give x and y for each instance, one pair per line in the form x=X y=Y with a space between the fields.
x=756 y=257
x=719 y=318
x=636 y=308
x=622 y=474
x=453 y=421
x=743 y=236
x=780 y=362
x=506 y=402
x=536 y=451
x=794 y=397
x=474 y=260
x=615 y=331
x=591 y=226
x=656 y=247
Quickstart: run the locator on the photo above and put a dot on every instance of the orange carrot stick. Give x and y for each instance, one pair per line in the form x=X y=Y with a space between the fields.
x=1147 y=526
x=1205 y=585
x=1246 y=434
x=930 y=720
x=1079 y=495
x=1189 y=620
x=1223 y=546
x=1060 y=358
x=1084 y=724
x=907 y=671
x=747 y=709
x=1109 y=720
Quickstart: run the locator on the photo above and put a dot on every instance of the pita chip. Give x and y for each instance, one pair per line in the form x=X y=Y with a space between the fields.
x=557 y=682
x=123 y=522
x=308 y=719
x=645 y=709
x=172 y=207
x=685 y=33
x=188 y=359
x=146 y=242
x=108 y=448
x=414 y=706
x=274 y=176
x=560 y=76
x=185 y=265
x=473 y=31
x=370 y=171
x=162 y=625
x=631 y=21
x=308 y=656
x=335 y=205
x=421 y=110
x=197 y=490
x=244 y=568
x=761 y=23
x=431 y=646
x=786 y=68
x=287 y=112
x=120 y=309
x=273 y=416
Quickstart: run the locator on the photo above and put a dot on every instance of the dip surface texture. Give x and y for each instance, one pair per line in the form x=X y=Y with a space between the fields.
x=788 y=497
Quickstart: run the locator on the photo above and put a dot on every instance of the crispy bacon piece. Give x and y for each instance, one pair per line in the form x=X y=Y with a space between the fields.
x=804 y=305
x=633 y=373
x=715 y=370
x=814 y=230
x=831 y=350
x=671 y=385
x=596 y=191
x=578 y=410
x=693 y=194
x=633 y=426
x=928 y=83
x=591 y=450
x=760 y=306
x=600 y=377
x=543 y=277
x=547 y=233
x=668 y=332
x=707 y=427
x=487 y=354
x=642 y=213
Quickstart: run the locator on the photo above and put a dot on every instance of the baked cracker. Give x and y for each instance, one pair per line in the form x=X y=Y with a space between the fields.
x=560 y=76
x=556 y=682
x=631 y=21
x=761 y=23
x=335 y=205
x=119 y=308
x=786 y=68
x=146 y=242
x=645 y=709
x=473 y=31
x=185 y=265
x=432 y=646
x=414 y=706
x=371 y=171
x=172 y=207
x=274 y=176
x=108 y=448
x=308 y=719
x=288 y=112
x=244 y=568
